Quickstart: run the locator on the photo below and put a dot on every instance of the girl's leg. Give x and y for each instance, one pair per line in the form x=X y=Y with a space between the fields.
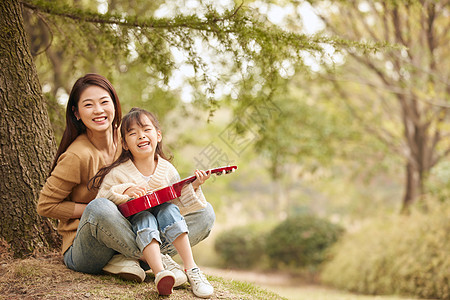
x=181 y=243
x=199 y=223
x=171 y=223
x=102 y=232
x=152 y=256
x=145 y=226
x=174 y=228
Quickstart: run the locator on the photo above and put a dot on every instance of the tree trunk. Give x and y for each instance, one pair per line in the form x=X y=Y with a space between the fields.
x=413 y=187
x=27 y=143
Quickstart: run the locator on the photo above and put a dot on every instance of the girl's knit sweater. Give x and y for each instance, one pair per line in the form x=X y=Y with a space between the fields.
x=127 y=175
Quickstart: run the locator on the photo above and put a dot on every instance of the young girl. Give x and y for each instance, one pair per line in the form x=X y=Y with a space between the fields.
x=143 y=167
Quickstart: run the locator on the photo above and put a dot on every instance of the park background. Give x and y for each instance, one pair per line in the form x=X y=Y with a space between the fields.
x=336 y=114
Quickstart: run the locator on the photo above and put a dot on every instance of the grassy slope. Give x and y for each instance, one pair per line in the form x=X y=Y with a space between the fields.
x=46 y=277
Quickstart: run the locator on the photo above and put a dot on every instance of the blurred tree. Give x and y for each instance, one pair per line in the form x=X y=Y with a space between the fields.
x=296 y=132
x=401 y=95
x=234 y=36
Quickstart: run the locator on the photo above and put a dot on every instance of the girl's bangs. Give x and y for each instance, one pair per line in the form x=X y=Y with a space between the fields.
x=131 y=119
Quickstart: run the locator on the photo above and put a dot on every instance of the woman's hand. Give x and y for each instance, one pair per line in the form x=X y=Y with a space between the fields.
x=79 y=209
x=202 y=176
x=135 y=191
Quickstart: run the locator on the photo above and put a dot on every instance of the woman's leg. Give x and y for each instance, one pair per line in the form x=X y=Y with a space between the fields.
x=102 y=232
x=199 y=223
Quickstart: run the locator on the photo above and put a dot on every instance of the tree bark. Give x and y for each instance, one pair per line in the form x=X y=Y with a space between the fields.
x=27 y=143
x=412 y=187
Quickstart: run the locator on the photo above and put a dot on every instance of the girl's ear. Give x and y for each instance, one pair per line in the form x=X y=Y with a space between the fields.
x=159 y=136
x=124 y=146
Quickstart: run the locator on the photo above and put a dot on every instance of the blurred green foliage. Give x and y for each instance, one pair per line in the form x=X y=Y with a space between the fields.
x=438 y=183
x=301 y=241
x=295 y=244
x=396 y=255
x=241 y=247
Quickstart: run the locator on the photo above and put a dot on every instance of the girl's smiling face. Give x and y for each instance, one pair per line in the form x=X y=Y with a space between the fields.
x=142 y=138
x=95 y=109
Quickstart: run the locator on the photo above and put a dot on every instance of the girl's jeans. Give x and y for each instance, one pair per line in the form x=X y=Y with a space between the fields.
x=164 y=218
x=103 y=231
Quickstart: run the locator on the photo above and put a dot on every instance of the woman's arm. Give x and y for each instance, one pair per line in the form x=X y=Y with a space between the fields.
x=53 y=200
x=78 y=211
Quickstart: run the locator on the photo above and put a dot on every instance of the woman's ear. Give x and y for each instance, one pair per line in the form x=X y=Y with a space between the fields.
x=75 y=112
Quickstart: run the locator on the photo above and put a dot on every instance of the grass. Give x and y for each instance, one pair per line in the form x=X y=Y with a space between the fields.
x=46 y=277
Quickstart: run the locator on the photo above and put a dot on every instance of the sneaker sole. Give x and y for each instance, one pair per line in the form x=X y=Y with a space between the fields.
x=179 y=282
x=165 y=285
x=202 y=295
x=128 y=276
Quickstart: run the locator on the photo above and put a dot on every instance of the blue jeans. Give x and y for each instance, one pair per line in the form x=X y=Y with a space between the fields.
x=164 y=218
x=103 y=232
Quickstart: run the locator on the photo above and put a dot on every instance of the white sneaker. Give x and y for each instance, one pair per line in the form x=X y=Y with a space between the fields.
x=200 y=285
x=124 y=267
x=164 y=281
x=171 y=265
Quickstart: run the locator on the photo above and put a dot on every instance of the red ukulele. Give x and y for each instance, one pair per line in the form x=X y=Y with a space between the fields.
x=165 y=194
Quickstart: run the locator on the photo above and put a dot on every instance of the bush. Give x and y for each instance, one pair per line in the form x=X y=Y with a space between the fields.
x=241 y=247
x=399 y=255
x=301 y=241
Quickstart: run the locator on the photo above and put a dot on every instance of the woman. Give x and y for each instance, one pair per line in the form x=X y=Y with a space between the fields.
x=95 y=235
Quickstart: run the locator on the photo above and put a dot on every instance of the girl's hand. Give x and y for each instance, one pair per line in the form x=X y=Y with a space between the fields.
x=135 y=191
x=202 y=176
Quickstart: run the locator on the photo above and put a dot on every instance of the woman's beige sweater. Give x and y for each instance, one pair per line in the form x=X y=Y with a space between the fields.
x=67 y=185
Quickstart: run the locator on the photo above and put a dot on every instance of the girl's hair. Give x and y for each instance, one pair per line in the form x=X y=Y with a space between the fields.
x=131 y=118
x=75 y=127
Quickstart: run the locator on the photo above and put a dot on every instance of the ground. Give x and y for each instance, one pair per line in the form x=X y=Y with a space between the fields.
x=46 y=277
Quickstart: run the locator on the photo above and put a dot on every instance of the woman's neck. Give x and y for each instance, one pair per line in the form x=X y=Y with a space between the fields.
x=104 y=142
x=145 y=165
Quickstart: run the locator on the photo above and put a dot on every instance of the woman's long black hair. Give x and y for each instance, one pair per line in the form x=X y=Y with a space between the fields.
x=131 y=118
x=75 y=127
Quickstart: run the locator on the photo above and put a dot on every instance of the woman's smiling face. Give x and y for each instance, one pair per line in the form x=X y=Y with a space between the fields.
x=95 y=109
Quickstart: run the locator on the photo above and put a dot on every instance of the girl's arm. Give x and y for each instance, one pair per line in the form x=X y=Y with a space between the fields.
x=202 y=176
x=114 y=192
x=191 y=199
x=119 y=187
x=135 y=191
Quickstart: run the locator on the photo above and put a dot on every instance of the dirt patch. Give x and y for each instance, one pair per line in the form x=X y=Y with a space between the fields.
x=263 y=278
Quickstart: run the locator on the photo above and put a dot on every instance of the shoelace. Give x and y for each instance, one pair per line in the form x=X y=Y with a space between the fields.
x=170 y=264
x=197 y=276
